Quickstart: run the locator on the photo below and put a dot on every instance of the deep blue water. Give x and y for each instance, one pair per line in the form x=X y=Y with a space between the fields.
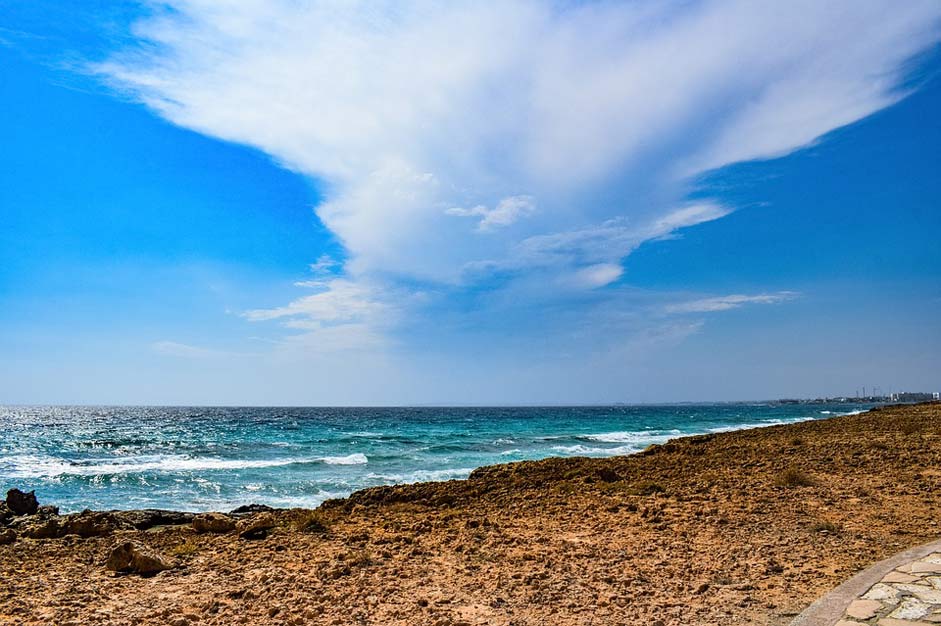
x=218 y=458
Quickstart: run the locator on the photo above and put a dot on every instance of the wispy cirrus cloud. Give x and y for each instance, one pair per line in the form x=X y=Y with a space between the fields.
x=433 y=124
x=724 y=303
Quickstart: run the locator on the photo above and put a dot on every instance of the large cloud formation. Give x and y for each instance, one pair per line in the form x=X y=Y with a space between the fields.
x=530 y=145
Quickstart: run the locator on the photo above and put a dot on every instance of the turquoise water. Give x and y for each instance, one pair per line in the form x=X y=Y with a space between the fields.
x=218 y=458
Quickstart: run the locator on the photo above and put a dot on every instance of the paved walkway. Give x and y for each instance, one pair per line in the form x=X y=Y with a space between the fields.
x=909 y=595
x=904 y=590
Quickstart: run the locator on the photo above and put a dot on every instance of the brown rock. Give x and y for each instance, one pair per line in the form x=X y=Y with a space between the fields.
x=213 y=523
x=91 y=524
x=7 y=536
x=135 y=558
x=21 y=502
x=256 y=527
x=48 y=528
x=143 y=519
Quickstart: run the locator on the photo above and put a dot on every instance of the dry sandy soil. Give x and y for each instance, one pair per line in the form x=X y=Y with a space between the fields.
x=746 y=527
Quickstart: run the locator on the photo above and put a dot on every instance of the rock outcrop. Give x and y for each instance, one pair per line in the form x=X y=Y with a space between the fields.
x=257 y=527
x=249 y=509
x=149 y=518
x=132 y=557
x=91 y=524
x=213 y=523
x=21 y=502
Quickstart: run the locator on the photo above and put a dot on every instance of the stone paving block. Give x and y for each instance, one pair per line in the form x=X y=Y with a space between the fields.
x=883 y=592
x=925 y=567
x=863 y=609
x=890 y=621
x=899 y=577
x=925 y=593
x=847 y=622
x=911 y=609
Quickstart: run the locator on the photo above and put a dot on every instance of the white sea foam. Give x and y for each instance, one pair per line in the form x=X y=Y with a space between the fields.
x=350 y=459
x=762 y=424
x=579 y=449
x=50 y=467
x=509 y=452
x=632 y=436
x=422 y=475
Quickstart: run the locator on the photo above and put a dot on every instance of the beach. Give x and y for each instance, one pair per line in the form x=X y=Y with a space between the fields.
x=743 y=527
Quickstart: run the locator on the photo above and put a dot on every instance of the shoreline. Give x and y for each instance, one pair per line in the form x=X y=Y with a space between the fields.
x=739 y=527
x=64 y=481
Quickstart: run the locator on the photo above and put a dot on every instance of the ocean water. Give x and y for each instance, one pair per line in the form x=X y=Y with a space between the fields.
x=201 y=459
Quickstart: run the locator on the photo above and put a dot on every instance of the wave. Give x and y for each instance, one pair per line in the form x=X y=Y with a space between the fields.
x=761 y=424
x=357 y=458
x=581 y=450
x=49 y=467
x=632 y=436
x=423 y=475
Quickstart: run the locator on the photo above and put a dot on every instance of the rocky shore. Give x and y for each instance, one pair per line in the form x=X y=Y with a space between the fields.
x=745 y=527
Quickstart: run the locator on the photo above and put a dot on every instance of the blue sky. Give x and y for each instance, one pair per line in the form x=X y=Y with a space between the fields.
x=269 y=203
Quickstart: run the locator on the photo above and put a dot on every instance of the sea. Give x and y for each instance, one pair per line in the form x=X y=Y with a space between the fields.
x=201 y=459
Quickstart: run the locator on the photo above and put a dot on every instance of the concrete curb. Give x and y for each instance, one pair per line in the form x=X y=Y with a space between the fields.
x=830 y=608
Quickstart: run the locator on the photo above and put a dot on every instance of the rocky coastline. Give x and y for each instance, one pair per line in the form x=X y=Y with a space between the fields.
x=745 y=527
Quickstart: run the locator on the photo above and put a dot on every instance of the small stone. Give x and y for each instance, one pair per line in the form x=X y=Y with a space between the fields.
x=7 y=536
x=863 y=609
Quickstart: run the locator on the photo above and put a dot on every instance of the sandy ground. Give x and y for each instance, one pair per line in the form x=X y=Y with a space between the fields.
x=735 y=528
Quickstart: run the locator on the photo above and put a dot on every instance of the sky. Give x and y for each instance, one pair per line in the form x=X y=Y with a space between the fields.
x=275 y=202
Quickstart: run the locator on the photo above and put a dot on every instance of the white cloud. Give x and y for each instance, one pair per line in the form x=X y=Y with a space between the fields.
x=324 y=265
x=724 y=303
x=507 y=211
x=339 y=301
x=598 y=275
x=599 y=113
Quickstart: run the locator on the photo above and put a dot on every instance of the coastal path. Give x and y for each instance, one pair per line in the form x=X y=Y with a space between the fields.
x=904 y=590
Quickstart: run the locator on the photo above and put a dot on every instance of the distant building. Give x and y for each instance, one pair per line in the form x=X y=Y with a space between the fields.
x=914 y=396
